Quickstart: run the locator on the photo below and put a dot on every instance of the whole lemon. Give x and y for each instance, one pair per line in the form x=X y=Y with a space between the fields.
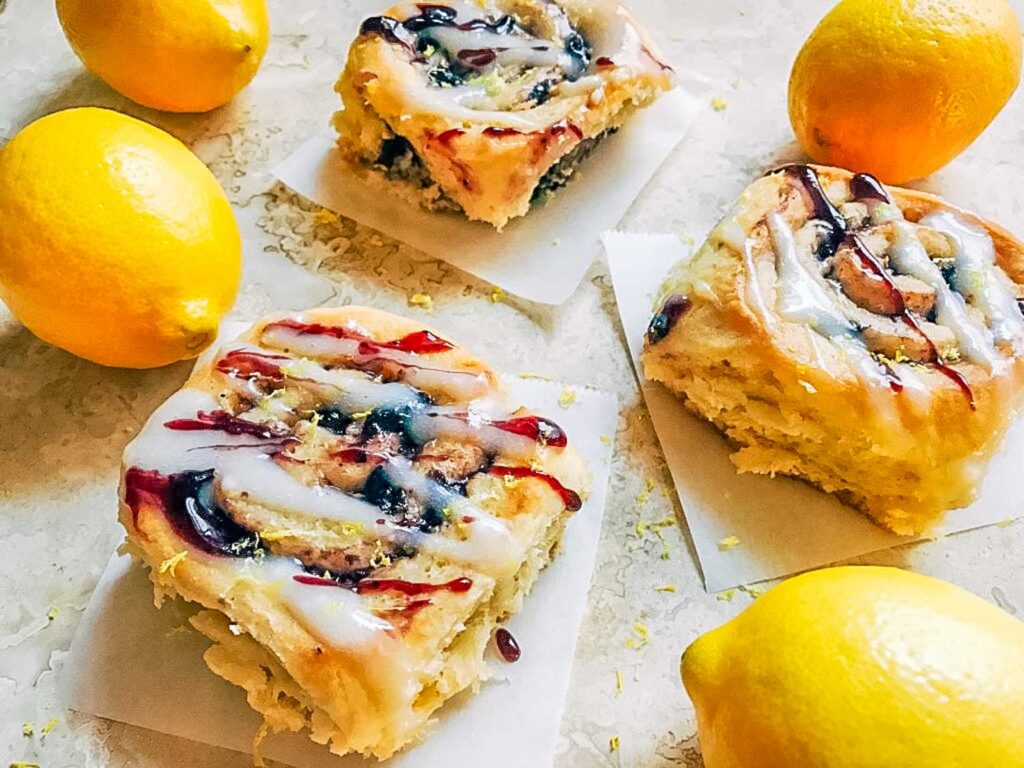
x=898 y=88
x=116 y=242
x=861 y=667
x=174 y=55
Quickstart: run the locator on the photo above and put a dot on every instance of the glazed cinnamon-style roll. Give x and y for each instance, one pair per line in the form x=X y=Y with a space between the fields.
x=486 y=107
x=864 y=338
x=357 y=504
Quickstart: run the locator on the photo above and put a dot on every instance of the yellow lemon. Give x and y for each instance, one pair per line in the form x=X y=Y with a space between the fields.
x=174 y=55
x=861 y=667
x=899 y=88
x=116 y=242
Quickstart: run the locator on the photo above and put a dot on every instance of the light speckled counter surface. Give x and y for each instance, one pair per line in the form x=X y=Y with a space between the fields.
x=64 y=422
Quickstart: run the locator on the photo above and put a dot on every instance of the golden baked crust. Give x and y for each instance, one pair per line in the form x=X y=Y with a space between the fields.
x=483 y=108
x=832 y=351
x=358 y=505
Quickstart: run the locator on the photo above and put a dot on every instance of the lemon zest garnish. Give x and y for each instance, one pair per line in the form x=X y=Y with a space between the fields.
x=170 y=565
x=511 y=481
x=605 y=440
x=538 y=376
x=497 y=295
x=754 y=592
x=726 y=596
x=52 y=613
x=666 y=588
x=27 y=729
x=567 y=398
x=50 y=725
x=718 y=104
x=618 y=681
x=424 y=300
x=24 y=765
x=380 y=558
x=613 y=744
x=729 y=542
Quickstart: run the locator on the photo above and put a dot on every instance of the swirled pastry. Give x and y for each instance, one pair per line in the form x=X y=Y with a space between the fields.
x=487 y=106
x=358 y=505
x=864 y=338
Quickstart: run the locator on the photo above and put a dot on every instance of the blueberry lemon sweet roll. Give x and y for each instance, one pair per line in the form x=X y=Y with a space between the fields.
x=486 y=107
x=865 y=338
x=357 y=504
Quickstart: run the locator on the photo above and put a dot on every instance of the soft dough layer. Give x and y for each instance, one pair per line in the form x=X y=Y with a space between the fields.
x=358 y=505
x=486 y=107
x=866 y=339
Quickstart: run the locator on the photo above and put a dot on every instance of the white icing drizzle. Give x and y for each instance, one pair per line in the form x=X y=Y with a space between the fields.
x=488 y=544
x=265 y=483
x=437 y=422
x=167 y=451
x=978 y=279
x=801 y=296
x=243 y=470
x=420 y=371
x=614 y=35
x=335 y=615
x=909 y=257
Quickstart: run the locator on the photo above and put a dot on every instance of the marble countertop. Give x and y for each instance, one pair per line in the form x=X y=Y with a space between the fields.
x=64 y=422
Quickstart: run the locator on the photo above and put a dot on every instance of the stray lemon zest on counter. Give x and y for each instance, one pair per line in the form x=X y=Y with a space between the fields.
x=644 y=495
x=424 y=300
x=497 y=295
x=718 y=104
x=50 y=725
x=27 y=729
x=613 y=744
x=618 y=681
x=24 y=765
x=642 y=636
x=539 y=376
x=726 y=596
x=655 y=527
x=605 y=440
x=666 y=588
x=1005 y=523
x=171 y=563
x=567 y=398
x=754 y=592
x=729 y=542
x=52 y=613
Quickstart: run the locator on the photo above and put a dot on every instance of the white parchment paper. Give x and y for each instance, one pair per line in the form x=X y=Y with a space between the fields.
x=139 y=665
x=542 y=256
x=783 y=526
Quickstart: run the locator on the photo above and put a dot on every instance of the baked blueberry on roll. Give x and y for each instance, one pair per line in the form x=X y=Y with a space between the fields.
x=485 y=107
x=867 y=339
x=357 y=504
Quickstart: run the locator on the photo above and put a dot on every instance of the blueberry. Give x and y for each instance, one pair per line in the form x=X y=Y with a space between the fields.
x=333 y=419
